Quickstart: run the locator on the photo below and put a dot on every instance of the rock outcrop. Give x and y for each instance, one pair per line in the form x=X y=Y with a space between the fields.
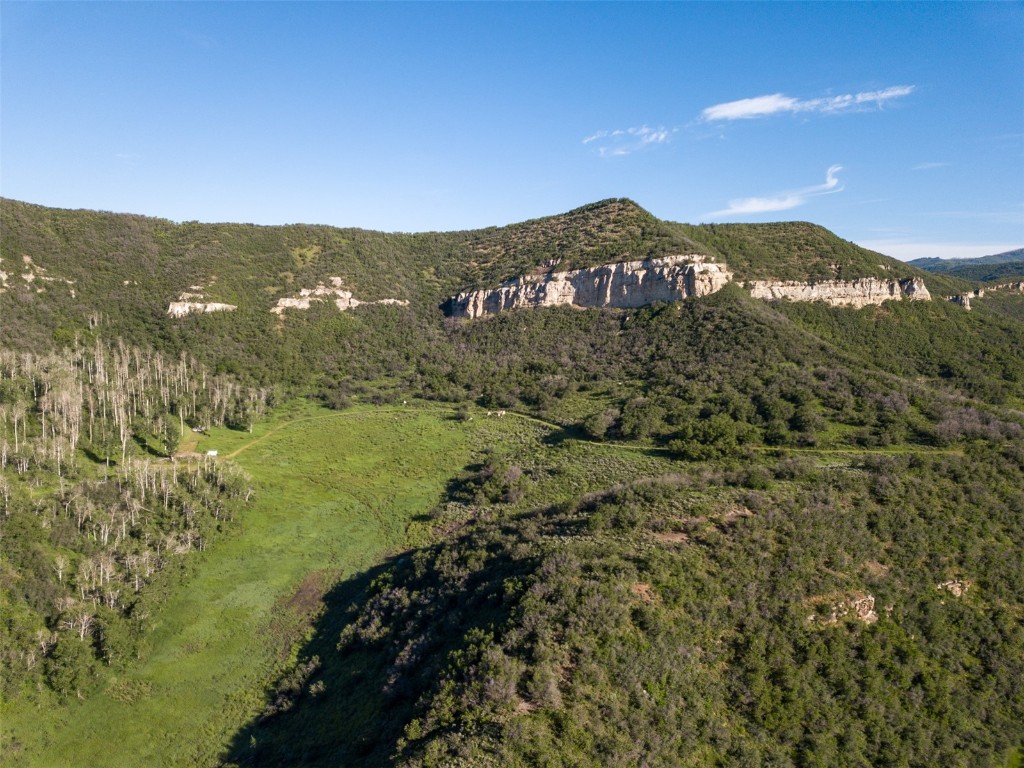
x=1018 y=287
x=182 y=308
x=193 y=302
x=625 y=285
x=961 y=299
x=33 y=273
x=956 y=587
x=842 y=293
x=859 y=606
x=335 y=292
x=632 y=284
x=964 y=299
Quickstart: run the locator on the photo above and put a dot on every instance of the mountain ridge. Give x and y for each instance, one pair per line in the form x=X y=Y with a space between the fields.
x=935 y=264
x=164 y=258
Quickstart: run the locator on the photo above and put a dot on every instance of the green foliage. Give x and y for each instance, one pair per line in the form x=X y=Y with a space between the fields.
x=955 y=265
x=97 y=521
x=70 y=665
x=333 y=495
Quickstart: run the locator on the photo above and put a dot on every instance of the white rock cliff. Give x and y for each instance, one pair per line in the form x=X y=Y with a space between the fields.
x=193 y=302
x=631 y=284
x=626 y=285
x=182 y=308
x=842 y=293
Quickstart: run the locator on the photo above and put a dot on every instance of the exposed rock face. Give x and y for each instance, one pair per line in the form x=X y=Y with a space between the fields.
x=336 y=292
x=859 y=606
x=842 y=293
x=626 y=285
x=633 y=284
x=964 y=299
x=182 y=308
x=955 y=586
x=193 y=302
x=34 y=272
x=1019 y=287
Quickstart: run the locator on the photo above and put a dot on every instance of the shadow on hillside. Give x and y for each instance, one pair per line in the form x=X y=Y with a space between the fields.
x=575 y=433
x=351 y=722
x=464 y=486
x=147 y=448
x=369 y=694
x=569 y=432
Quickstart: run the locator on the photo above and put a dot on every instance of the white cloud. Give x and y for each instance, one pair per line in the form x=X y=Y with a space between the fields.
x=625 y=141
x=782 y=201
x=906 y=251
x=762 y=106
x=759 y=106
x=928 y=166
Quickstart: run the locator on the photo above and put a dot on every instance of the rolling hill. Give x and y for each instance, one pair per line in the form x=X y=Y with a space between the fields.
x=951 y=265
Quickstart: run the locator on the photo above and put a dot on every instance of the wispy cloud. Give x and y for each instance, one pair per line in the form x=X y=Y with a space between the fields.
x=928 y=166
x=782 y=201
x=626 y=141
x=776 y=103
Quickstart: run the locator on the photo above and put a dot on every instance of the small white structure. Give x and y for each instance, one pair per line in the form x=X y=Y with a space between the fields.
x=211 y=453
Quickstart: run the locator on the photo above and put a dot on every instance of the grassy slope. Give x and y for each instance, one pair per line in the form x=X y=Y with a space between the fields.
x=333 y=494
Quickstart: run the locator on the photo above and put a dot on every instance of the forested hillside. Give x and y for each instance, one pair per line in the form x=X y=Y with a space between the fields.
x=721 y=531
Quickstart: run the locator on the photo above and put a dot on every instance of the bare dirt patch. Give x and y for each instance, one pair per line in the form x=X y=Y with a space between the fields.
x=672 y=537
x=644 y=591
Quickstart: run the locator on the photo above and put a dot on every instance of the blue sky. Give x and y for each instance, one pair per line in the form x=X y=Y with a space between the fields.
x=898 y=126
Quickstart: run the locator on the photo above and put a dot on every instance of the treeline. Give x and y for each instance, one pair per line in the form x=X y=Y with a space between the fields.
x=98 y=516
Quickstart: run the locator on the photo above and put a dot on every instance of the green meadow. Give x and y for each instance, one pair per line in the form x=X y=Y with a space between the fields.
x=334 y=494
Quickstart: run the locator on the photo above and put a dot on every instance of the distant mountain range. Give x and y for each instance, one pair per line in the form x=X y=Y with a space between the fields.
x=933 y=264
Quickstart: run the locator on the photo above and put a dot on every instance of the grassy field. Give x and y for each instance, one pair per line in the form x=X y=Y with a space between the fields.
x=335 y=492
